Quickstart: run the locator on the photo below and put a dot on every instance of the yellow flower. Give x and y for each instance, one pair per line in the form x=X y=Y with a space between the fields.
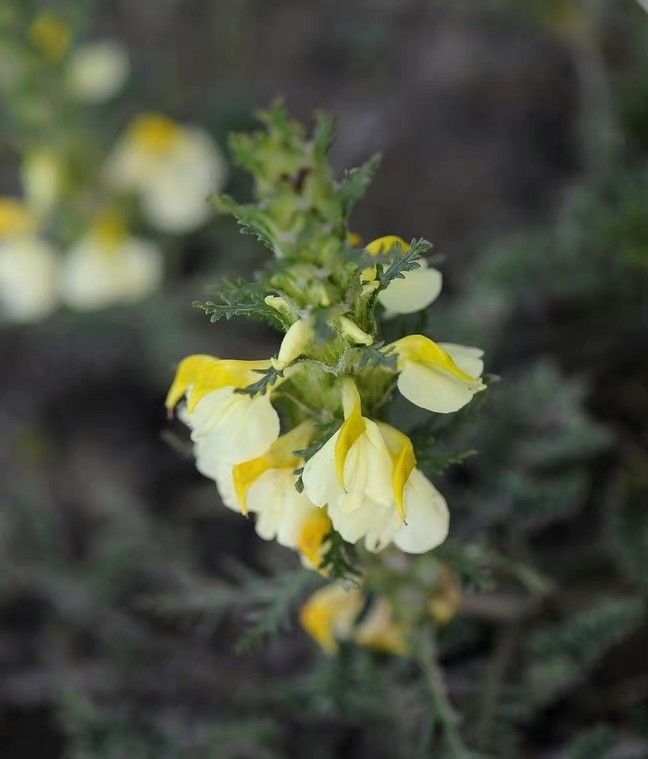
x=227 y=427
x=415 y=291
x=366 y=475
x=97 y=71
x=380 y=631
x=109 y=267
x=441 y=377
x=28 y=266
x=312 y=538
x=51 y=35
x=172 y=168
x=331 y=614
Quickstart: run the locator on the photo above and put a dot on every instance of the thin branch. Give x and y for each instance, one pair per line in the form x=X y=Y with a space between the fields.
x=444 y=713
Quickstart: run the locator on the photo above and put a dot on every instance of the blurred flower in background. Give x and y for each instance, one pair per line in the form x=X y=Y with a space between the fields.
x=173 y=169
x=28 y=266
x=77 y=248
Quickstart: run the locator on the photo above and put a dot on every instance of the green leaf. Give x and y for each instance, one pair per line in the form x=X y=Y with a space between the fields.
x=268 y=378
x=354 y=185
x=252 y=220
x=374 y=356
x=340 y=559
x=273 y=600
x=240 y=298
x=401 y=261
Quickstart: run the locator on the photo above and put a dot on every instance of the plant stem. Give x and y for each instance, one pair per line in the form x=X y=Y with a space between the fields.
x=444 y=713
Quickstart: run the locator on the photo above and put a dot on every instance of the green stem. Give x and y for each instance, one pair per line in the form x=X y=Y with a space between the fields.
x=444 y=713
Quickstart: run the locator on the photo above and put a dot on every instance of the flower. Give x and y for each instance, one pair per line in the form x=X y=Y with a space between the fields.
x=330 y=616
x=109 y=267
x=97 y=71
x=42 y=178
x=367 y=477
x=226 y=426
x=172 y=168
x=441 y=377
x=415 y=291
x=266 y=486
x=380 y=630
x=27 y=266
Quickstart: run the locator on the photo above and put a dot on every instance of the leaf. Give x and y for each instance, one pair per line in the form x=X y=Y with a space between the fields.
x=373 y=356
x=354 y=185
x=269 y=377
x=252 y=220
x=274 y=598
x=401 y=263
x=240 y=298
x=340 y=559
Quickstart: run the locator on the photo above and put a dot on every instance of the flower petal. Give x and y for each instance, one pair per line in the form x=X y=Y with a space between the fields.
x=434 y=389
x=468 y=359
x=319 y=477
x=427 y=516
x=416 y=291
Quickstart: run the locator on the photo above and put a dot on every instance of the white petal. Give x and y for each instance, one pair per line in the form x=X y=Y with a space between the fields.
x=319 y=477
x=27 y=280
x=281 y=510
x=434 y=389
x=468 y=359
x=368 y=466
x=355 y=516
x=416 y=291
x=232 y=427
x=427 y=516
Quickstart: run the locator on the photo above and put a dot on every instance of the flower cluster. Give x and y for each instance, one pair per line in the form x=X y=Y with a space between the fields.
x=70 y=239
x=299 y=439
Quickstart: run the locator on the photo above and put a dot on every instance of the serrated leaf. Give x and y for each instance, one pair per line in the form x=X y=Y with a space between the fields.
x=240 y=298
x=401 y=262
x=354 y=185
x=268 y=378
x=252 y=220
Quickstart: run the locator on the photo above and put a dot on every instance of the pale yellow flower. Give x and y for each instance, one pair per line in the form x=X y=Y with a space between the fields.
x=366 y=475
x=227 y=427
x=441 y=377
x=174 y=170
x=97 y=71
x=380 y=631
x=330 y=616
x=109 y=267
x=28 y=266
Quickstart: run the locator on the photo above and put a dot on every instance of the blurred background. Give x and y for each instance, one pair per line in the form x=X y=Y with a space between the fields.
x=515 y=138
